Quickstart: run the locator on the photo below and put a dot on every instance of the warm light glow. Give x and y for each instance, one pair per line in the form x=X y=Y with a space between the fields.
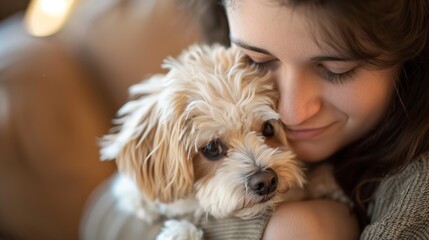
x=46 y=17
x=55 y=7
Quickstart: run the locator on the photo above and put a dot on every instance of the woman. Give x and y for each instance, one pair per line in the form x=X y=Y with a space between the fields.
x=354 y=83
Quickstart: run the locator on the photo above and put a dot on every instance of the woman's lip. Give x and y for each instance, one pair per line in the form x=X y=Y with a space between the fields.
x=302 y=134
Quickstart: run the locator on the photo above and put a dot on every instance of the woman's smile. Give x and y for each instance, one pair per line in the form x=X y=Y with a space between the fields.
x=307 y=133
x=327 y=100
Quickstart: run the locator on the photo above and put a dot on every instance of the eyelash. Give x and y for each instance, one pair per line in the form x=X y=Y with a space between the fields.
x=260 y=64
x=335 y=78
x=338 y=78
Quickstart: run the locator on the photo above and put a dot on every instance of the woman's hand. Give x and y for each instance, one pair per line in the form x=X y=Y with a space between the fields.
x=314 y=219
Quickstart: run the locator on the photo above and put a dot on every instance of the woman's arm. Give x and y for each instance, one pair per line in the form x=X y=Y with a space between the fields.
x=313 y=219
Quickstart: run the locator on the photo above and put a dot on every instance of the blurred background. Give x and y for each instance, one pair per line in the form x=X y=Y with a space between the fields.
x=8 y=7
x=65 y=68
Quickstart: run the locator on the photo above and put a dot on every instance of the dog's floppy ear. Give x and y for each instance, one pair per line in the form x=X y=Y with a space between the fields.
x=147 y=145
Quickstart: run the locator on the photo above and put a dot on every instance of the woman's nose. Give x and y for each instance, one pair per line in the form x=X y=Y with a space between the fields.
x=300 y=97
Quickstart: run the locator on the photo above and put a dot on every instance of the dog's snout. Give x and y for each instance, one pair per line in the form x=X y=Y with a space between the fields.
x=263 y=182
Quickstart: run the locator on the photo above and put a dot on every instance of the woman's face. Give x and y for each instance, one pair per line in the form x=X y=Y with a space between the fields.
x=326 y=100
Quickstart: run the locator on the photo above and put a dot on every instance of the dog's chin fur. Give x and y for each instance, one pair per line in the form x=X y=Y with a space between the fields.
x=209 y=93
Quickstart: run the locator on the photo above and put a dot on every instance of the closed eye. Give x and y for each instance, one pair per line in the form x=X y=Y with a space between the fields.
x=270 y=63
x=256 y=56
x=337 y=77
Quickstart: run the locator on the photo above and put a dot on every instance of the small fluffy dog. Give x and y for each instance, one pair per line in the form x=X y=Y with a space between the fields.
x=205 y=138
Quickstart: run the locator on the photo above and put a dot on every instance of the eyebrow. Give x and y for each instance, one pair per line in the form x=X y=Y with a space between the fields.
x=313 y=59
x=250 y=47
x=331 y=59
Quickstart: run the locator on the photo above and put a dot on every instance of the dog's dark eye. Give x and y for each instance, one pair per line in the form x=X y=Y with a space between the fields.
x=268 y=129
x=214 y=150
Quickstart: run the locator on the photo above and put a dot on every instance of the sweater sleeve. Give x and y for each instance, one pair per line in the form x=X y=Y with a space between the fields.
x=234 y=228
x=401 y=206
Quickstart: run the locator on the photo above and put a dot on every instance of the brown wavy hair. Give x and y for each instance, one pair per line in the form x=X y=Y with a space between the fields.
x=382 y=33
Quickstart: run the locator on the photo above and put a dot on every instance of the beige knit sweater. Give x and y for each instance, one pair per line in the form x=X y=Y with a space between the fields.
x=401 y=205
x=400 y=210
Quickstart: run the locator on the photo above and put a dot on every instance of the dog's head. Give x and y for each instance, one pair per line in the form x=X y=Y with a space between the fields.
x=209 y=129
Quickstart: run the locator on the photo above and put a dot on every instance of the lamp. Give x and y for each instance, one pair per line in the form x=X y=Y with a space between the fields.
x=46 y=17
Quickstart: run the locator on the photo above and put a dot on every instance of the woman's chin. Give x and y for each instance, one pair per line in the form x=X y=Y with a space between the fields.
x=311 y=155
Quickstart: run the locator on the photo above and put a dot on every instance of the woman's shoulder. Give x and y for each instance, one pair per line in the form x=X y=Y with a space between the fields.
x=399 y=209
x=420 y=165
x=413 y=177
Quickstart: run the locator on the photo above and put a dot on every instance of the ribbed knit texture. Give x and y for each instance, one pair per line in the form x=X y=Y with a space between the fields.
x=234 y=228
x=401 y=206
x=400 y=210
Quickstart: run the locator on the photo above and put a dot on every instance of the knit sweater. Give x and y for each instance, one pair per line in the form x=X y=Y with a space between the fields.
x=401 y=205
x=400 y=210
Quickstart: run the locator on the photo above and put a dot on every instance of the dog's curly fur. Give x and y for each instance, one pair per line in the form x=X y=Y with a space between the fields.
x=197 y=135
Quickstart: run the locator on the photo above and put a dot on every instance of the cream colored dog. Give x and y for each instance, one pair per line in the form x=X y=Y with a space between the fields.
x=205 y=138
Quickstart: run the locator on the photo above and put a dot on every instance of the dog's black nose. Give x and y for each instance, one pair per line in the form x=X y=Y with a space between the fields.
x=263 y=182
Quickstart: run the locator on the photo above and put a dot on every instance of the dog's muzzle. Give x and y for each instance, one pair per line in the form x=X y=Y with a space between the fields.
x=263 y=182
